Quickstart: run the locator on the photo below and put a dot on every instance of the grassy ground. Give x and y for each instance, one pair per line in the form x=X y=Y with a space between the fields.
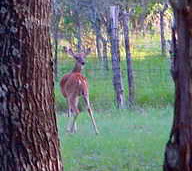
x=129 y=140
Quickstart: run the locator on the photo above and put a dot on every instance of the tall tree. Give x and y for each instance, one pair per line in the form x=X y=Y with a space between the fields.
x=178 y=152
x=28 y=131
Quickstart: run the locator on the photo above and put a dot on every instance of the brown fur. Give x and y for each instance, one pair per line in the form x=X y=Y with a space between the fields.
x=74 y=84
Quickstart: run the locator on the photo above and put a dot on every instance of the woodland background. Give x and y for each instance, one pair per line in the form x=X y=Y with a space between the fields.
x=132 y=137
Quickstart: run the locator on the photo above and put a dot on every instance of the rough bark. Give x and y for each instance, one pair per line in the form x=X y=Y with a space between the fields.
x=128 y=58
x=28 y=131
x=178 y=152
x=117 y=79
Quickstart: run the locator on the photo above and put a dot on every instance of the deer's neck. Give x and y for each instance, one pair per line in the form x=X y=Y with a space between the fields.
x=77 y=68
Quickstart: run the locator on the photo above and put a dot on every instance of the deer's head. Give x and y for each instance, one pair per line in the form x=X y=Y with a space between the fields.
x=80 y=56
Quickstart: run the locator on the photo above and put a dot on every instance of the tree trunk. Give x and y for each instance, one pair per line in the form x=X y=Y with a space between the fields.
x=173 y=48
x=178 y=152
x=105 y=58
x=78 y=26
x=56 y=16
x=117 y=79
x=95 y=20
x=79 y=36
x=55 y=53
x=98 y=45
x=128 y=58
x=98 y=38
x=142 y=16
x=28 y=130
x=55 y=37
x=162 y=30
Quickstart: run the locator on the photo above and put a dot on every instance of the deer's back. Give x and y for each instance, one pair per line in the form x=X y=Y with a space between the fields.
x=74 y=84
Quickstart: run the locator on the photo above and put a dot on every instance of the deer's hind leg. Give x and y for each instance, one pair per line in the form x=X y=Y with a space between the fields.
x=73 y=113
x=86 y=99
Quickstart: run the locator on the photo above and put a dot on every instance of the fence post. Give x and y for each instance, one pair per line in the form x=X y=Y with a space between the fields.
x=117 y=79
x=128 y=58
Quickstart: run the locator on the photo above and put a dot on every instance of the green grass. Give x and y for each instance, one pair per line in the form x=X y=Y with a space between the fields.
x=128 y=140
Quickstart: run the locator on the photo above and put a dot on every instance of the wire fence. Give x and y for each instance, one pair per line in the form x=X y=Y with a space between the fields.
x=152 y=81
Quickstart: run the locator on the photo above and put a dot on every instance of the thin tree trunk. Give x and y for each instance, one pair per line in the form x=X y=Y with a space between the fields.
x=98 y=38
x=98 y=45
x=178 y=152
x=55 y=51
x=173 y=49
x=162 y=30
x=105 y=58
x=128 y=59
x=142 y=17
x=28 y=130
x=55 y=28
x=79 y=35
x=117 y=79
x=78 y=26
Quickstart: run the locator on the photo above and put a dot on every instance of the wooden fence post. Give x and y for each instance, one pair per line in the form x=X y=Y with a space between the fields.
x=117 y=79
x=128 y=58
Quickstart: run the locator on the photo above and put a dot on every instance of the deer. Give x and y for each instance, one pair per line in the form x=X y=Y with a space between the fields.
x=74 y=85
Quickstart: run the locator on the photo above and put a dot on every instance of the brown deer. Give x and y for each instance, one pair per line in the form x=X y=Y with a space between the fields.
x=74 y=85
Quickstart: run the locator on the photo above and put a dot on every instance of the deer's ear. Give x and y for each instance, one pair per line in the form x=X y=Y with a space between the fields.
x=68 y=51
x=87 y=52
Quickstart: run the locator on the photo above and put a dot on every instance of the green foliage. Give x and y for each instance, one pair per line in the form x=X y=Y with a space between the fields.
x=153 y=15
x=128 y=140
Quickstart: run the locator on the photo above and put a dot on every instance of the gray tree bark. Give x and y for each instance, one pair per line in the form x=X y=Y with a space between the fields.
x=28 y=130
x=117 y=79
x=162 y=29
x=128 y=58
